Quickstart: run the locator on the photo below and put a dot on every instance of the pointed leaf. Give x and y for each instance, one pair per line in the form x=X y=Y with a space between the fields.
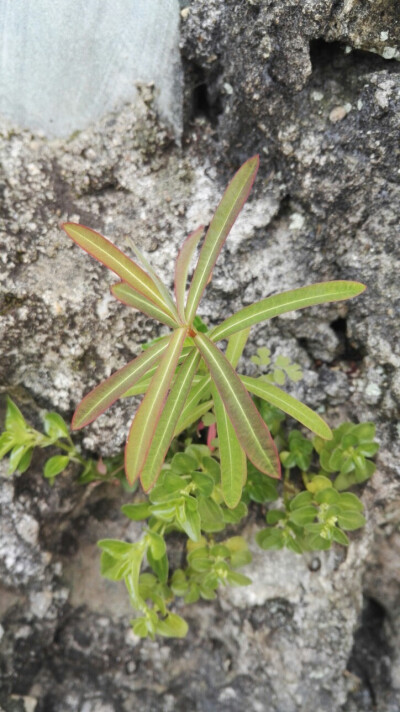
x=192 y=416
x=232 y=455
x=150 y=409
x=192 y=405
x=251 y=430
x=157 y=281
x=289 y=405
x=168 y=420
x=142 y=385
x=103 y=250
x=228 y=209
x=129 y=296
x=106 y=393
x=286 y=302
x=182 y=268
x=235 y=347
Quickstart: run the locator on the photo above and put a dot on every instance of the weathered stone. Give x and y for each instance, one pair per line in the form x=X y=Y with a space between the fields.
x=325 y=206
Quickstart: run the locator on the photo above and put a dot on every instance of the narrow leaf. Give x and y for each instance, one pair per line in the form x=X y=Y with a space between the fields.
x=103 y=250
x=142 y=385
x=235 y=347
x=106 y=393
x=232 y=455
x=196 y=394
x=157 y=281
x=251 y=430
x=169 y=417
x=289 y=405
x=149 y=412
x=129 y=296
x=182 y=268
x=286 y=302
x=229 y=208
x=192 y=416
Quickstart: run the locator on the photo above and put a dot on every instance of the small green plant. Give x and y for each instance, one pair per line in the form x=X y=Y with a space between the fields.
x=19 y=441
x=167 y=370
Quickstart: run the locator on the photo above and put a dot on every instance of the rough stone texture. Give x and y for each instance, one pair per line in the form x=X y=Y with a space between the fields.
x=276 y=78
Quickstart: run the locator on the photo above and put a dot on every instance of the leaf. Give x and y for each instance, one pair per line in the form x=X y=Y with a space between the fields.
x=109 y=255
x=55 y=465
x=129 y=296
x=182 y=268
x=227 y=211
x=232 y=455
x=7 y=442
x=235 y=347
x=137 y=512
x=251 y=430
x=289 y=405
x=25 y=460
x=55 y=426
x=193 y=410
x=164 y=432
x=270 y=539
x=150 y=410
x=157 y=281
x=142 y=385
x=303 y=515
x=107 y=392
x=173 y=626
x=287 y=301
x=15 y=421
x=157 y=545
x=350 y=520
x=17 y=455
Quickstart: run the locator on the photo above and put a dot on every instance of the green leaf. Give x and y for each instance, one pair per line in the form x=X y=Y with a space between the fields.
x=270 y=539
x=137 y=512
x=55 y=465
x=55 y=426
x=164 y=431
x=232 y=456
x=190 y=521
x=289 y=405
x=25 y=460
x=183 y=463
x=106 y=393
x=173 y=626
x=251 y=430
x=303 y=515
x=131 y=298
x=348 y=500
x=103 y=250
x=350 y=520
x=237 y=579
x=16 y=456
x=236 y=345
x=7 y=442
x=157 y=545
x=157 y=281
x=260 y=489
x=116 y=548
x=318 y=483
x=300 y=500
x=233 y=516
x=204 y=483
x=286 y=302
x=211 y=515
x=15 y=421
x=149 y=412
x=182 y=268
x=228 y=209
x=340 y=537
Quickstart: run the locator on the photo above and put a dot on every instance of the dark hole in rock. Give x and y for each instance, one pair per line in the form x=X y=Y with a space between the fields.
x=370 y=658
x=349 y=352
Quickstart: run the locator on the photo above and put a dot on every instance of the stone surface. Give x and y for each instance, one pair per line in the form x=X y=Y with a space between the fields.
x=64 y=65
x=317 y=633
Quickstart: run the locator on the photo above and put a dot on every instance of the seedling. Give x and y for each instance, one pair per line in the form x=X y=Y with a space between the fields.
x=180 y=370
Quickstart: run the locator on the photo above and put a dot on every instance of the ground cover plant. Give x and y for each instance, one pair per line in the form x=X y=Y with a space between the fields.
x=195 y=488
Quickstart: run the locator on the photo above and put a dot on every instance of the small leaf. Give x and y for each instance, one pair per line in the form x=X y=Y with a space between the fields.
x=340 y=537
x=173 y=626
x=16 y=456
x=136 y=512
x=15 y=421
x=303 y=515
x=55 y=426
x=25 y=460
x=350 y=520
x=7 y=442
x=318 y=483
x=270 y=539
x=157 y=545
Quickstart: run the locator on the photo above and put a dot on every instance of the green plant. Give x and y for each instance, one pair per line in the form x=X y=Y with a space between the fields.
x=184 y=374
x=19 y=440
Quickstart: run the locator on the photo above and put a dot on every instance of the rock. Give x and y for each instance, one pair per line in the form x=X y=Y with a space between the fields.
x=315 y=633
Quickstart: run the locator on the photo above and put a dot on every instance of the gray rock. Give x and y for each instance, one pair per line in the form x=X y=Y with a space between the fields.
x=275 y=78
